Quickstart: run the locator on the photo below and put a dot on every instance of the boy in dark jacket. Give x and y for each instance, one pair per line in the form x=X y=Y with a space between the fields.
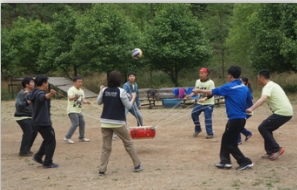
x=23 y=115
x=42 y=121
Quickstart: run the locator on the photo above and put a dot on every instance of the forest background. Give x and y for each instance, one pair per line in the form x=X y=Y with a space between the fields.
x=91 y=40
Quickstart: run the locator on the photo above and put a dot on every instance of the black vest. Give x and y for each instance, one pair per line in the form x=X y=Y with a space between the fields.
x=113 y=107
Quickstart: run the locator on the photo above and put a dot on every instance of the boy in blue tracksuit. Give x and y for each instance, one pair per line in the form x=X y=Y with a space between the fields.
x=236 y=96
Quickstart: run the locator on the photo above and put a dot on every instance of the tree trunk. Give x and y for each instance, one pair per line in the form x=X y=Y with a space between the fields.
x=223 y=64
x=75 y=70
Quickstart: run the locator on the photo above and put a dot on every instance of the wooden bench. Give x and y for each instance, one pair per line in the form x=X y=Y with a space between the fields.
x=219 y=100
x=159 y=95
x=142 y=93
x=150 y=99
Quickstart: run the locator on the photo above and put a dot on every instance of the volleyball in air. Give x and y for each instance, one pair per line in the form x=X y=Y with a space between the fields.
x=136 y=53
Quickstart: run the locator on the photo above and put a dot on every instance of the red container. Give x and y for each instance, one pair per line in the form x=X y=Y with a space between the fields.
x=144 y=132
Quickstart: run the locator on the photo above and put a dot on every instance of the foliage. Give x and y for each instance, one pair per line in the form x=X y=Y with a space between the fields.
x=57 y=48
x=216 y=21
x=35 y=11
x=106 y=40
x=8 y=54
x=25 y=41
x=176 y=41
x=274 y=37
x=82 y=38
x=239 y=40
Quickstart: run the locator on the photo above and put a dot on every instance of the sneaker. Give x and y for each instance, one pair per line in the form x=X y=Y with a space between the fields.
x=227 y=166
x=209 y=136
x=138 y=168
x=265 y=156
x=68 y=140
x=51 y=166
x=275 y=155
x=240 y=142
x=245 y=167
x=25 y=155
x=101 y=173
x=84 y=140
x=37 y=160
x=196 y=133
x=115 y=137
x=247 y=137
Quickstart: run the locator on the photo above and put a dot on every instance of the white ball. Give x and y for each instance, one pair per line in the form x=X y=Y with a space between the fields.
x=136 y=53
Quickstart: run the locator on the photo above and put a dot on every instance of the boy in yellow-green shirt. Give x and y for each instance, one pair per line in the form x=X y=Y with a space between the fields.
x=76 y=97
x=282 y=110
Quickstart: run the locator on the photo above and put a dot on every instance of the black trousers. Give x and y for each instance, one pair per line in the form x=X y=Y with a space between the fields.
x=266 y=128
x=229 y=144
x=48 y=145
x=29 y=135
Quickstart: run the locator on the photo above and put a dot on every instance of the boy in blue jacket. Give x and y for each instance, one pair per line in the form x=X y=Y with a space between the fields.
x=236 y=96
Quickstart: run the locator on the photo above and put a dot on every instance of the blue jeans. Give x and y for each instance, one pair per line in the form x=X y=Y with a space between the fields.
x=135 y=111
x=207 y=109
x=244 y=131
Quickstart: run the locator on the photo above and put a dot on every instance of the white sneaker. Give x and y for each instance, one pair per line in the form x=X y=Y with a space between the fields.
x=68 y=140
x=115 y=137
x=84 y=140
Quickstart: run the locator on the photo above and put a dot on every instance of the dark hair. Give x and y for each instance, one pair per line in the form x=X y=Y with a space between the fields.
x=131 y=73
x=76 y=78
x=264 y=73
x=234 y=71
x=114 y=79
x=40 y=79
x=26 y=80
x=246 y=80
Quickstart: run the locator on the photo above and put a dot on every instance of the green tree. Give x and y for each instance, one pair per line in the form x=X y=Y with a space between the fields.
x=216 y=21
x=274 y=37
x=57 y=48
x=25 y=42
x=8 y=55
x=176 y=41
x=239 y=40
x=106 y=40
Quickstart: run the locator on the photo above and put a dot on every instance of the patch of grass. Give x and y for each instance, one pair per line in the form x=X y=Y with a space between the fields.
x=257 y=182
x=237 y=183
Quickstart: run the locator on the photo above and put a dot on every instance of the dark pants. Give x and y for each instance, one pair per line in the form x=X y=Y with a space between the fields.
x=29 y=135
x=229 y=143
x=266 y=128
x=244 y=131
x=48 y=145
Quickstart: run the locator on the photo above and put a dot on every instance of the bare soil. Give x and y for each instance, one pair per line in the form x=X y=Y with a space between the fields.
x=171 y=160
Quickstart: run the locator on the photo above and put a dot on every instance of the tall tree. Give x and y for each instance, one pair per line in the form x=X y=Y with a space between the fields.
x=176 y=41
x=106 y=40
x=239 y=41
x=216 y=21
x=26 y=39
x=274 y=37
x=8 y=55
x=58 y=46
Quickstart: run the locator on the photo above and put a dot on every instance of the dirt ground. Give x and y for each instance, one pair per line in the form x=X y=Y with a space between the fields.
x=172 y=160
